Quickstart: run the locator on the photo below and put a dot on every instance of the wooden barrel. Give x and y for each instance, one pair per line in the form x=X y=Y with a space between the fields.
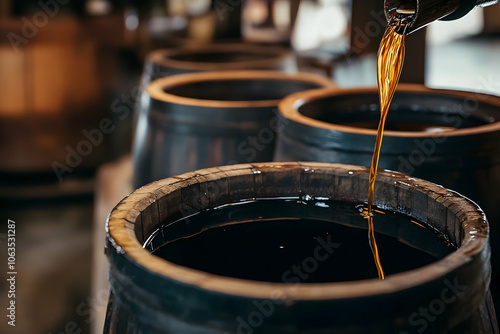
x=191 y=58
x=152 y=295
x=50 y=91
x=448 y=137
x=199 y=120
x=216 y=57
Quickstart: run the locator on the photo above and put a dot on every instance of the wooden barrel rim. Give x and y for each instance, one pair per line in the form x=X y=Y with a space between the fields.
x=155 y=88
x=289 y=106
x=121 y=233
x=161 y=57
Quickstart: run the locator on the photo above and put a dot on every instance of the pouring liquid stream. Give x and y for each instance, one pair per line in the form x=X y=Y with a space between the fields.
x=389 y=64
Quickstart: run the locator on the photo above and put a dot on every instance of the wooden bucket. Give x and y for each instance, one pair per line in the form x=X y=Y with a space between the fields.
x=152 y=295
x=199 y=120
x=326 y=126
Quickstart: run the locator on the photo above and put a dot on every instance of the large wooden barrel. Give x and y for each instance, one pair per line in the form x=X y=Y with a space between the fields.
x=198 y=120
x=216 y=57
x=448 y=137
x=152 y=295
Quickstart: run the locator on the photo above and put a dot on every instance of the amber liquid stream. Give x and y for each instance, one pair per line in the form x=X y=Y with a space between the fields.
x=389 y=64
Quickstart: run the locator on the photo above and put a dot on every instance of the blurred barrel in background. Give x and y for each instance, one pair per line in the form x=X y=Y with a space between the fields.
x=448 y=137
x=152 y=295
x=202 y=57
x=198 y=120
x=216 y=57
x=49 y=91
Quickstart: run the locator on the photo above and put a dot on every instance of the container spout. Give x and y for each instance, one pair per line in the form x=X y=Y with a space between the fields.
x=427 y=11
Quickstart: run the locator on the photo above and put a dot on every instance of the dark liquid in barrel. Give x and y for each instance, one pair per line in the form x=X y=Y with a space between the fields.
x=401 y=126
x=292 y=240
